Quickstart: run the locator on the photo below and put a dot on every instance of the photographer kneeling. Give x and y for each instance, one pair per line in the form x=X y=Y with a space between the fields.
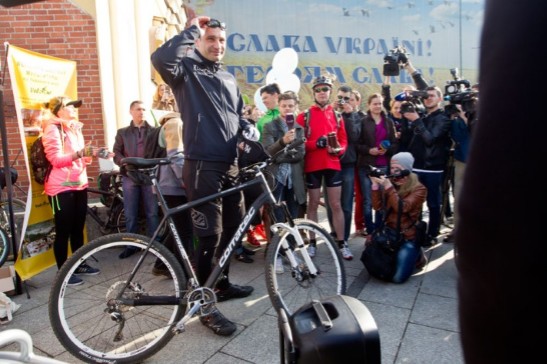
x=405 y=187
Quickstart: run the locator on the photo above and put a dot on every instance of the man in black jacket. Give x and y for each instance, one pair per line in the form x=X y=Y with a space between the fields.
x=212 y=112
x=428 y=139
x=130 y=142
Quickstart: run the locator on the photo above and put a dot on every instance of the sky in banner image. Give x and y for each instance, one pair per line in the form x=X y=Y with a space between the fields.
x=349 y=38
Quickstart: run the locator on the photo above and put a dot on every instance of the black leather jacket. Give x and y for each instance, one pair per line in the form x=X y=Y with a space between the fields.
x=210 y=101
x=352 y=123
x=428 y=139
x=125 y=143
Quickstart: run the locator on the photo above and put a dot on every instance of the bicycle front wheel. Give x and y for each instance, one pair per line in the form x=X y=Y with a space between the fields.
x=108 y=318
x=4 y=246
x=19 y=208
x=290 y=287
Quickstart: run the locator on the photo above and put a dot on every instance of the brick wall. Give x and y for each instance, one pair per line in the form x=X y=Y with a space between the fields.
x=60 y=29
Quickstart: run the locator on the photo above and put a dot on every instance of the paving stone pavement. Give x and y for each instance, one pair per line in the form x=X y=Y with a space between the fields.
x=417 y=320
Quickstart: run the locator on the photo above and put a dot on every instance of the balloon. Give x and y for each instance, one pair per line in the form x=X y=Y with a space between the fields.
x=285 y=61
x=289 y=83
x=273 y=76
x=258 y=101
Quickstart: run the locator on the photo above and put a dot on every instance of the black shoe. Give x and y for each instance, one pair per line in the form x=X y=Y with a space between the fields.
x=449 y=238
x=430 y=242
x=244 y=258
x=248 y=251
x=161 y=272
x=234 y=291
x=128 y=251
x=218 y=323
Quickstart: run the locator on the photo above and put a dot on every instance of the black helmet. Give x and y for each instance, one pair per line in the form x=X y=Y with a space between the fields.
x=322 y=80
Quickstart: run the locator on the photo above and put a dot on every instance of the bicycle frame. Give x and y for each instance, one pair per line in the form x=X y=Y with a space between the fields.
x=265 y=197
x=117 y=200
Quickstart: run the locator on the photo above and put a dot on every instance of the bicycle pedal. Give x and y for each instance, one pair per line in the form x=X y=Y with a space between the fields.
x=179 y=328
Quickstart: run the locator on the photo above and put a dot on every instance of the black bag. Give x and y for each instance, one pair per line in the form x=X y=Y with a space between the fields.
x=40 y=165
x=387 y=238
x=380 y=256
x=421 y=233
x=380 y=263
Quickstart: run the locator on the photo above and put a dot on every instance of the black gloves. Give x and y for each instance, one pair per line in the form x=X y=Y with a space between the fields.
x=321 y=142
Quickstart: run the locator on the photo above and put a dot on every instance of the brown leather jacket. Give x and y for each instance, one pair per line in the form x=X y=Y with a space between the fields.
x=412 y=207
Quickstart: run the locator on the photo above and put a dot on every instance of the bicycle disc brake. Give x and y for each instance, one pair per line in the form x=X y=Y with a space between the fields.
x=116 y=309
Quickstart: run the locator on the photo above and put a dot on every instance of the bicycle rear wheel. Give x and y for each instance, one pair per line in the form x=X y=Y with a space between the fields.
x=291 y=287
x=4 y=246
x=91 y=320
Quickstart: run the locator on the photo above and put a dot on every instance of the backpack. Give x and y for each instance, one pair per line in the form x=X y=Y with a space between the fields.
x=41 y=166
x=152 y=148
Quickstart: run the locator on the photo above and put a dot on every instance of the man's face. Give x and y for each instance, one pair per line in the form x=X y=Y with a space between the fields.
x=432 y=100
x=321 y=94
x=287 y=107
x=342 y=98
x=137 y=112
x=212 y=45
x=269 y=100
x=353 y=101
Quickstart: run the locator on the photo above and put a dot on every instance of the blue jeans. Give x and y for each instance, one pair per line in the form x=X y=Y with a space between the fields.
x=133 y=196
x=433 y=183
x=366 y=189
x=406 y=261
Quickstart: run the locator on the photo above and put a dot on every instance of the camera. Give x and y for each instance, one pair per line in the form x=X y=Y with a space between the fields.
x=341 y=102
x=393 y=60
x=459 y=92
x=103 y=153
x=412 y=102
x=377 y=172
x=374 y=172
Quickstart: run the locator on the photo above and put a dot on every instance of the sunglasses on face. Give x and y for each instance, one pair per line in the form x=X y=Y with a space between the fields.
x=213 y=23
x=321 y=89
x=345 y=98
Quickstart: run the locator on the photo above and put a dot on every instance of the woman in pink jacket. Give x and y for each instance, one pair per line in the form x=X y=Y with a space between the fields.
x=66 y=185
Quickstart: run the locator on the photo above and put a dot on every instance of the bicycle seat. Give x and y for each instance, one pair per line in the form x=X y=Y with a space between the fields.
x=142 y=163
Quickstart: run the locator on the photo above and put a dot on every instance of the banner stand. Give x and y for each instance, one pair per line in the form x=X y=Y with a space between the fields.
x=7 y=175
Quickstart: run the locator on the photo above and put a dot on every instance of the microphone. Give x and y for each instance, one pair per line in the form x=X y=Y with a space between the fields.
x=401 y=174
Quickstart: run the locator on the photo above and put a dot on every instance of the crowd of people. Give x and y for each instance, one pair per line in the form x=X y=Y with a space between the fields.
x=343 y=145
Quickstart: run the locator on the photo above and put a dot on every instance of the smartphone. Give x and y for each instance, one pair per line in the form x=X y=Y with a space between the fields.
x=289 y=119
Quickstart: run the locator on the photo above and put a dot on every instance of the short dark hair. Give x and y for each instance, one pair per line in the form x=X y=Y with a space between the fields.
x=289 y=95
x=272 y=88
x=134 y=103
x=344 y=88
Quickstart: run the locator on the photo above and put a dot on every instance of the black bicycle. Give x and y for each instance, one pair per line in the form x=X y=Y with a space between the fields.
x=135 y=313
x=111 y=196
x=18 y=207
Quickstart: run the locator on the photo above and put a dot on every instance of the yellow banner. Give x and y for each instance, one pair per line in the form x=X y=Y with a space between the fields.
x=36 y=78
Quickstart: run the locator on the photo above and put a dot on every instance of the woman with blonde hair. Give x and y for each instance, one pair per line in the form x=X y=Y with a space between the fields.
x=163 y=99
x=66 y=185
x=406 y=187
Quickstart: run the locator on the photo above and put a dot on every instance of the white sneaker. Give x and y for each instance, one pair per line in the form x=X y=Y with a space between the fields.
x=279 y=265
x=346 y=253
x=312 y=250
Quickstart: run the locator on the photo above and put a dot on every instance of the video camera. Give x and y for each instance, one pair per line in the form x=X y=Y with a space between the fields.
x=376 y=172
x=412 y=101
x=459 y=92
x=394 y=61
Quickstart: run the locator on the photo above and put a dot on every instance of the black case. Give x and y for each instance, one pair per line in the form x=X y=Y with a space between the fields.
x=336 y=329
